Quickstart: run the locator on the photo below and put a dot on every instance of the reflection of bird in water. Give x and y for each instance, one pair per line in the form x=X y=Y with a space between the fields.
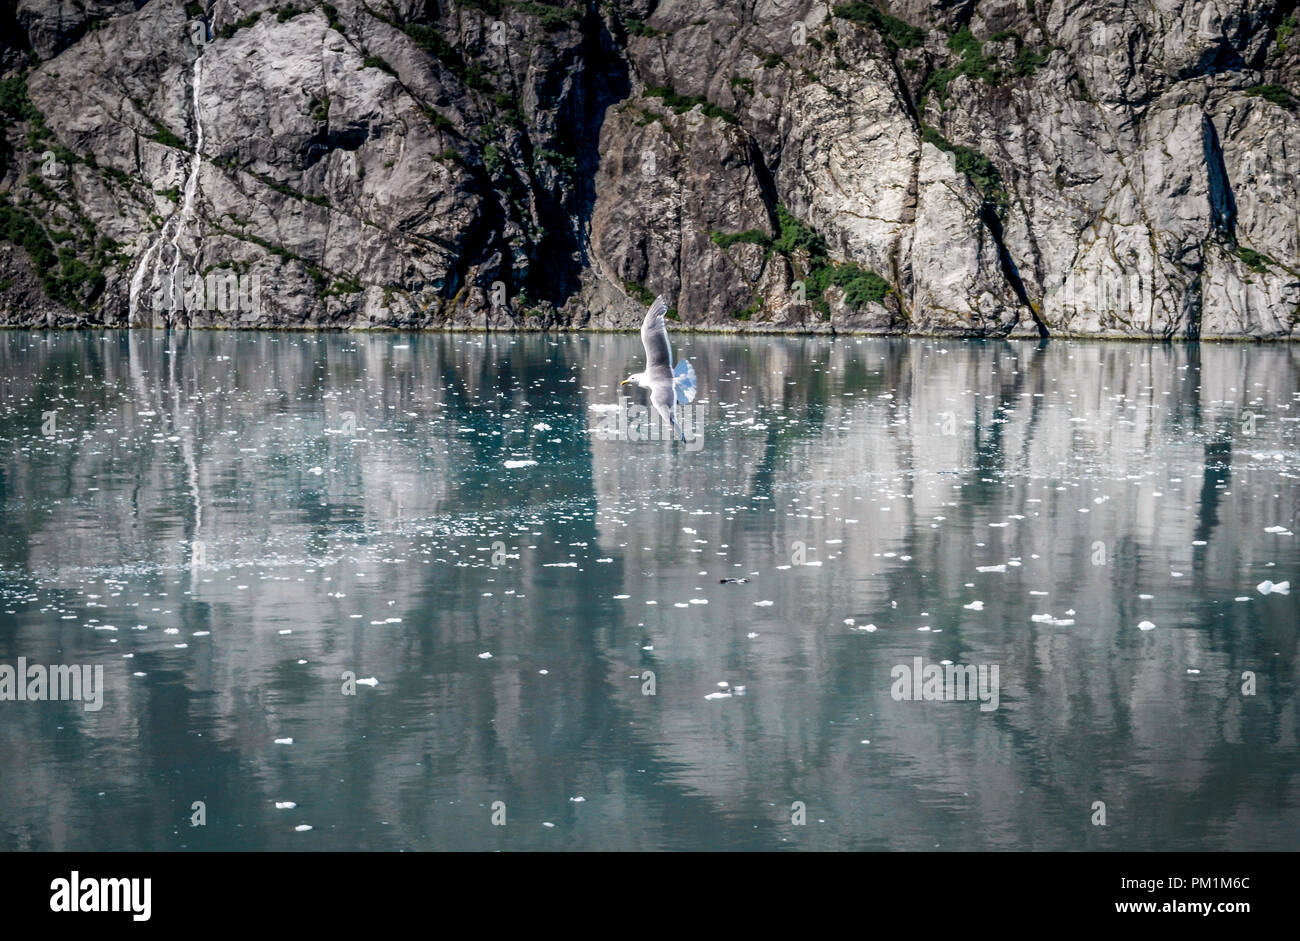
x=667 y=386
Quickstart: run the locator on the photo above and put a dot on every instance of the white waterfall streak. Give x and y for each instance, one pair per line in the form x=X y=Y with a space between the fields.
x=177 y=224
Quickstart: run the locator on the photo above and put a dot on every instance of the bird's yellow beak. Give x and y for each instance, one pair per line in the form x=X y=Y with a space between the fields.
x=624 y=382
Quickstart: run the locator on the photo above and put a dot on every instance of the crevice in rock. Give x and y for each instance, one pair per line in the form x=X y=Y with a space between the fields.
x=563 y=253
x=1223 y=206
x=989 y=216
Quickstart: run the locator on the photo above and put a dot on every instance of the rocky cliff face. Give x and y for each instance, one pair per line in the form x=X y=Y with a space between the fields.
x=981 y=167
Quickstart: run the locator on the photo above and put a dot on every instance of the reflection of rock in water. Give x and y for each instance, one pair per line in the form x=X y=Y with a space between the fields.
x=894 y=482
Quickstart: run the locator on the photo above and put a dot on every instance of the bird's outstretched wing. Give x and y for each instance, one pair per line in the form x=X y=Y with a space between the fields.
x=654 y=337
x=684 y=382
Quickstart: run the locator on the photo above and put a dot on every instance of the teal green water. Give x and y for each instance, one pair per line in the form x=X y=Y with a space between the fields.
x=229 y=522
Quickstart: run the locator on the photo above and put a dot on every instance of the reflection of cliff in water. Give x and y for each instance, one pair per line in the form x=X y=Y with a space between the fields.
x=805 y=441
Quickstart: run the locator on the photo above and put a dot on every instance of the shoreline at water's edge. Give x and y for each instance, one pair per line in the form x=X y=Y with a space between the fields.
x=773 y=330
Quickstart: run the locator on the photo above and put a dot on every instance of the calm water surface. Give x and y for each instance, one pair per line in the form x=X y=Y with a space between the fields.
x=229 y=522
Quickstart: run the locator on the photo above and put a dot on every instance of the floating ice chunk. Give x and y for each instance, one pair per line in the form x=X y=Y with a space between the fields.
x=485 y=655
x=541 y=426
x=368 y=681
x=1146 y=626
x=718 y=696
x=317 y=471
x=991 y=568
x=285 y=805
x=1273 y=588
x=511 y=465
x=284 y=741
x=1277 y=529
x=763 y=604
x=577 y=800
x=751 y=635
x=1193 y=671
x=303 y=827
x=974 y=606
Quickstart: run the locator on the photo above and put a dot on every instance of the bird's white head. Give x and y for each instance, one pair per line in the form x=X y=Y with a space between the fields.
x=636 y=379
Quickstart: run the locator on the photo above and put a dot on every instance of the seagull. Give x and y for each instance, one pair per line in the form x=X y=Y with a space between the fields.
x=667 y=386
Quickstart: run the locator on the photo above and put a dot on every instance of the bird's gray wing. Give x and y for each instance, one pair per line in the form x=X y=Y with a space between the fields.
x=654 y=337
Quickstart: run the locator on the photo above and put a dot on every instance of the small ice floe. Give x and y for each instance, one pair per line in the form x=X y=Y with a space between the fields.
x=368 y=681
x=1273 y=588
x=763 y=604
x=302 y=827
x=485 y=655
x=1146 y=626
x=548 y=824
x=511 y=465
x=1280 y=530
x=287 y=630
x=543 y=672
x=865 y=628
x=751 y=635
x=559 y=565
x=1146 y=597
x=541 y=426
x=974 y=606
x=991 y=568
x=1242 y=598
x=602 y=407
x=577 y=800
x=284 y=741
x=733 y=581
x=285 y=805
x=1052 y=620
x=622 y=597
x=317 y=471
x=1193 y=671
